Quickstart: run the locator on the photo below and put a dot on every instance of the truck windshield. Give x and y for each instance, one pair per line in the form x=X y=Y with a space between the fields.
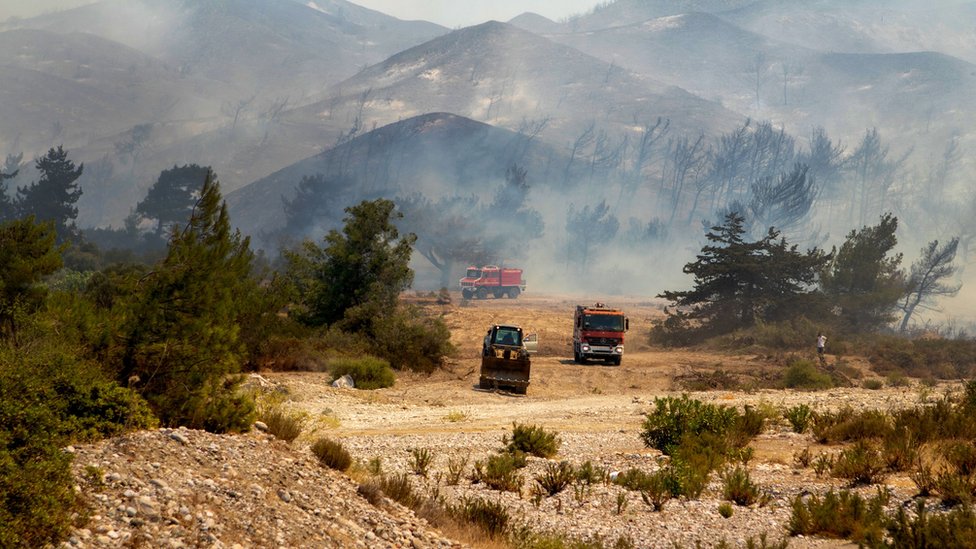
x=473 y=273
x=609 y=323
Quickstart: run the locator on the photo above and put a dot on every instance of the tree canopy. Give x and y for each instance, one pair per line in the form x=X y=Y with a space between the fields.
x=171 y=199
x=364 y=266
x=183 y=336
x=54 y=195
x=739 y=283
x=27 y=254
x=863 y=279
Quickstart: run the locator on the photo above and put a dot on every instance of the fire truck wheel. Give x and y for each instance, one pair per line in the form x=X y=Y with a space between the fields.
x=513 y=293
x=466 y=294
x=482 y=293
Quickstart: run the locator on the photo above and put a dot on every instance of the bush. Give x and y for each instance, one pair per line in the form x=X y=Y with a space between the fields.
x=803 y=374
x=36 y=495
x=500 y=472
x=861 y=463
x=455 y=469
x=420 y=460
x=846 y=515
x=725 y=509
x=846 y=425
x=555 y=477
x=799 y=417
x=367 y=372
x=588 y=475
x=872 y=384
x=49 y=399
x=490 y=516
x=673 y=417
x=956 y=528
x=332 y=454
x=737 y=487
x=939 y=358
x=283 y=425
x=411 y=340
x=533 y=440
x=398 y=488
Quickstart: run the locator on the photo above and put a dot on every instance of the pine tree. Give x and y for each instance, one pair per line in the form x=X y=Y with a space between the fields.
x=740 y=283
x=27 y=254
x=8 y=210
x=183 y=342
x=53 y=197
x=365 y=267
x=171 y=199
x=863 y=280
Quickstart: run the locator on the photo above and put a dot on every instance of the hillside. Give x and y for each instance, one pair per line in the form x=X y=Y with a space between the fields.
x=502 y=75
x=435 y=154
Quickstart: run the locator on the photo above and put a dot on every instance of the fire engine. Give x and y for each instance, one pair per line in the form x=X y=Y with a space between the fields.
x=480 y=282
x=598 y=333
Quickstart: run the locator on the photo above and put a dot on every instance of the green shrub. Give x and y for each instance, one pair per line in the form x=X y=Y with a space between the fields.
x=799 y=417
x=587 y=474
x=411 y=340
x=872 y=384
x=956 y=528
x=332 y=454
x=748 y=425
x=725 y=509
x=737 y=487
x=499 y=472
x=555 y=477
x=491 y=517
x=50 y=398
x=367 y=372
x=533 y=440
x=420 y=460
x=283 y=425
x=673 y=417
x=845 y=515
x=847 y=425
x=804 y=374
x=861 y=463
x=920 y=358
x=455 y=469
x=36 y=495
x=660 y=487
x=954 y=489
x=398 y=488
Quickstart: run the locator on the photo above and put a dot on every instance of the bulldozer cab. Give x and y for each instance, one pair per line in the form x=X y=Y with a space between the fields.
x=505 y=360
x=505 y=335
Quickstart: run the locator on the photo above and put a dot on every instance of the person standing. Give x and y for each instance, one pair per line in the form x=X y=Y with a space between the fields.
x=821 y=344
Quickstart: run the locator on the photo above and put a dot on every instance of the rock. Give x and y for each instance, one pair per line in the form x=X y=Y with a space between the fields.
x=261 y=426
x=179 y=437
x=344 y=382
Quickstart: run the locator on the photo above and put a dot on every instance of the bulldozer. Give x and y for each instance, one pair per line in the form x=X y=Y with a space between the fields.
x=505 y=360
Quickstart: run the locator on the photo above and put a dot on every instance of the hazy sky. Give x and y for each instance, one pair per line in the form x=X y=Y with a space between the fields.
x=450 y=13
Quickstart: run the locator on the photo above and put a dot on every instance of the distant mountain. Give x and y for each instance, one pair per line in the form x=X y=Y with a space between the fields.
x=619 y=13
x=865 y=26
x=508 y=77
x=273 y=48
x=533 y=22
x=798 y=87
x=434 y=154
x=69 y=88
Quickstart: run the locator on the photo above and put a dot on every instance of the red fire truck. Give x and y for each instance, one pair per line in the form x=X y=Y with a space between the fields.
x=480 y=282
x=598 y=332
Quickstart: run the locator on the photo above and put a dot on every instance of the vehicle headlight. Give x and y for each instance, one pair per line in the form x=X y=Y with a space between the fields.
x=619 y=349
x=585 y=348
